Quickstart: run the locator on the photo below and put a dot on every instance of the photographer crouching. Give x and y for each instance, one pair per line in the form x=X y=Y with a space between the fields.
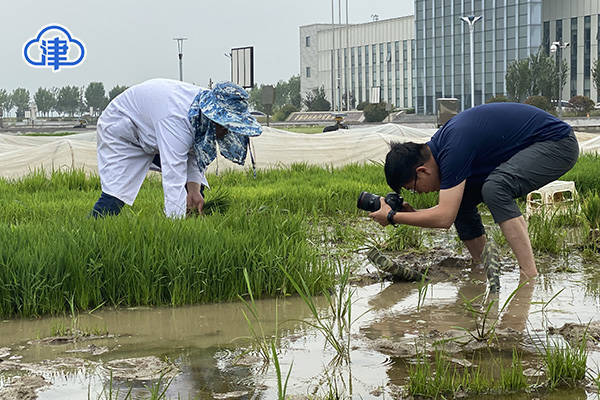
x=493 y=153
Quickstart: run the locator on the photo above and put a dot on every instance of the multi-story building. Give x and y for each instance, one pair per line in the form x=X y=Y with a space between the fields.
x=370 y=61
x=412 y=61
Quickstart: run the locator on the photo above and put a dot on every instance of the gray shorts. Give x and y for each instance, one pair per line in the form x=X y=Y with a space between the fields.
x=528 y=170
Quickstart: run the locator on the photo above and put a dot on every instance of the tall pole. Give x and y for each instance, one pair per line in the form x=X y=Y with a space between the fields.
x=471 y=20
x=180 y=51
x=332 y=57
x=341 y=58
x=348 y=56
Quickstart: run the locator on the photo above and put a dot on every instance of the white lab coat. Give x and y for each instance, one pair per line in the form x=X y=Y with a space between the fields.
x=144 y=120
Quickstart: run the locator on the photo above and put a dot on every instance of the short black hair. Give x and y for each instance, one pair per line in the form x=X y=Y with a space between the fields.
x=401 y=162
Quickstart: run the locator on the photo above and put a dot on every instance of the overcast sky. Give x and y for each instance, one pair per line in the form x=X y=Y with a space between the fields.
x=130 y=41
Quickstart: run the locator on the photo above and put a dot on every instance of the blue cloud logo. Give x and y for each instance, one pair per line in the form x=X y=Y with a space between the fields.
x=54 y=47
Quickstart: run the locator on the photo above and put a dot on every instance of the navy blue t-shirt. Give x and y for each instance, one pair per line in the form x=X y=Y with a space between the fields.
x=476 y=141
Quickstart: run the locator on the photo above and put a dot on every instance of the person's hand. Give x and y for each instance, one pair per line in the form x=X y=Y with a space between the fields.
x=406 y=207
x=381 y=214
x=195 y=201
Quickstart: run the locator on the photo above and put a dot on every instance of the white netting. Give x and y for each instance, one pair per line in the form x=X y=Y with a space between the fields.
x=21 y=154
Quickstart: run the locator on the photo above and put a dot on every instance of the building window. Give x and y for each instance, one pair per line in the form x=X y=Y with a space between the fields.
x=307 y=41
x=308 y=72
x=587 y=53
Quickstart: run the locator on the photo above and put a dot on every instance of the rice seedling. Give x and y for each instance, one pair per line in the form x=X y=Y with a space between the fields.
x=340 y=320
x=423 y=285
x=512 y=379
x=546 y=235
x=591 y=210
x=404 y=237
x=564 y=364
x=585 y=173
x=155 y=391
x=445 y=379
x=484 y=316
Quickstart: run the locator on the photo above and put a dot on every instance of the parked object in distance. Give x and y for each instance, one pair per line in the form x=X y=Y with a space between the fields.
x=446 y=109
x=82 y=123
x=339 y=118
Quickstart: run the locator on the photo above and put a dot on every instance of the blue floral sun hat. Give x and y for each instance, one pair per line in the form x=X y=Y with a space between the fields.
x=226 y=105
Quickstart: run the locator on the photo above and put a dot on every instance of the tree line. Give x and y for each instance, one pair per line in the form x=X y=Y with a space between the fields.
x=67 y=100
x=539 y=79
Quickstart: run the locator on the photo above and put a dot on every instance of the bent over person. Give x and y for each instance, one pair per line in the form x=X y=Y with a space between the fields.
x=492 y=153
x=177 y=125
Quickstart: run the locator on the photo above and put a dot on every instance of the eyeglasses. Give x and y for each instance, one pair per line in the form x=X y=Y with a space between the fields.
x=413 y=189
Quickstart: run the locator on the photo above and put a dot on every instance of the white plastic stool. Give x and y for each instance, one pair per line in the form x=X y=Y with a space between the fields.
x=554 y=197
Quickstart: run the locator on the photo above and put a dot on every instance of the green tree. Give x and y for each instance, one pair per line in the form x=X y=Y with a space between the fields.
x=95 y=96
x=315 y=100
x=288 y=92
x=20 y=99
x=68 y=100
x=518 y=80
x=45 y=100
x=5 y=101
x=582 y=104
x=375 y=112
x=255 y=98
x=596 y=76
x=114 y=92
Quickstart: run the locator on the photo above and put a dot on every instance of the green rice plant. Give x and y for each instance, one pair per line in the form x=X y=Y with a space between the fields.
x=585 y=173
x=340 y=321
x=485 y=324
x=404 y=237
x=546 y=235
x=281 y=385
x=591 y=210
x=155 y=391
x=564 y=364
x=134 y=260
x=423 y=285
x=512 y=379
x=261 y=342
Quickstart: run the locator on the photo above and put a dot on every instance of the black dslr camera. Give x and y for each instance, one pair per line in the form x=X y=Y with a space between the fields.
x=370 y=202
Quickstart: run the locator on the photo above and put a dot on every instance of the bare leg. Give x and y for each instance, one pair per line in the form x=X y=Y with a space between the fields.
x=515 y=232
x=475 y=247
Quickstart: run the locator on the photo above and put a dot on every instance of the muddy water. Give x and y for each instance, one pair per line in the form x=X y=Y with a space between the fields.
x=199 y=346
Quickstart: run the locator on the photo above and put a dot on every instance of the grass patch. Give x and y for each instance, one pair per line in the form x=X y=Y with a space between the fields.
x=443 y=379
x=304 y=129
x=49 y=133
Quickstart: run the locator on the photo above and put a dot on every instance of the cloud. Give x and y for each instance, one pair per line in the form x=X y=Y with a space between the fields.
x=53 y=59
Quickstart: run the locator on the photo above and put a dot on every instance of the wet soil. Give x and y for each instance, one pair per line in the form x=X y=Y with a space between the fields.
x=199 y=347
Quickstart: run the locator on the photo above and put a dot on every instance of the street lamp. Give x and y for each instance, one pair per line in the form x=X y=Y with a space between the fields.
x=554 y=49
x=471 y=20
x=180 y=50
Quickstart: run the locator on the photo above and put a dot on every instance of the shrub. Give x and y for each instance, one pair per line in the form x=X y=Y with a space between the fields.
x=498 y=99
x=361 y=106
x=582 y=104
x=540 y=102
x=283 y=112
x=375 y=112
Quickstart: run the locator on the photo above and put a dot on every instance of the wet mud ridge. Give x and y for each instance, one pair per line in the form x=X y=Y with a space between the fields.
x=435 y=265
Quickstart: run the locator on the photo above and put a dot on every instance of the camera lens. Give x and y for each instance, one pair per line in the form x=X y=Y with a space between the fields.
x=368 y=202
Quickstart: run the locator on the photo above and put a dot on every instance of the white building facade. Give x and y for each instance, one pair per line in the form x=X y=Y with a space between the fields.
x=370 y=61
